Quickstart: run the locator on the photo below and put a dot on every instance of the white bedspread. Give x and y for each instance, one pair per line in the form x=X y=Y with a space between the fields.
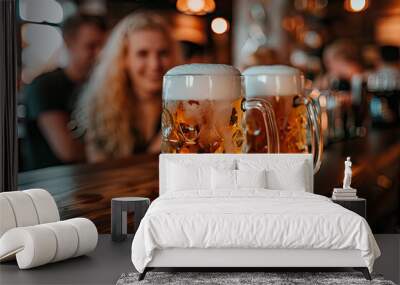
x=250 y=219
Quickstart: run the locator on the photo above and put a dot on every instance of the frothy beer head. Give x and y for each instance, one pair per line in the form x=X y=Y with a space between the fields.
x=272 y=80
x=202 y=82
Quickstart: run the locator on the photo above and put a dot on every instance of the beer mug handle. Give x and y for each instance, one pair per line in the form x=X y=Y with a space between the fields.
x=316 y=134
x=269 y=120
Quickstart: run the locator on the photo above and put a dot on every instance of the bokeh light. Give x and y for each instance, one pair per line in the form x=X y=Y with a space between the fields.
x=196 y=5
x=40 y=42
x=219 y=25
x=355 y=5
x=39 y=11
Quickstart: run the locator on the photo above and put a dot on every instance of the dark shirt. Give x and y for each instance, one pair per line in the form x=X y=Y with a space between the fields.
x=52 y=91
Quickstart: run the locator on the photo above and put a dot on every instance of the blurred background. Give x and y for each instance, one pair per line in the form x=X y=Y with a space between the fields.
x=348 y=49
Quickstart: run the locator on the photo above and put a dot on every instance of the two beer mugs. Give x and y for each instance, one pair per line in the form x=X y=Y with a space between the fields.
x=212 y=108
x=204 y=111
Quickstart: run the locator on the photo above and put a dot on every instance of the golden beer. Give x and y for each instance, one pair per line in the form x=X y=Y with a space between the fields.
x=291 y=120
x=203 y=126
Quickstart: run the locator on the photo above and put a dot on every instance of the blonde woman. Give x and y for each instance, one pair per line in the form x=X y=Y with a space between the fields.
x=121 y=106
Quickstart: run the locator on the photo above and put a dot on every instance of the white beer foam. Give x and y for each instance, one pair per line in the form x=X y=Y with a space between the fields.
x=272 y=80
x=202 y=82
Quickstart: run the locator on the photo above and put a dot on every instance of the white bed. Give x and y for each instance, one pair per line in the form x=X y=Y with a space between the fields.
x=201 y=226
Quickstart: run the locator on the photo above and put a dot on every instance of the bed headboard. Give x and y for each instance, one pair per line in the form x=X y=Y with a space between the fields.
x=211 y=159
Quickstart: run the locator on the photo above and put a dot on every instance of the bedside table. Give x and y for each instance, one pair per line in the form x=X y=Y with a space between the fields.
x=120 y=208
x=358 y=205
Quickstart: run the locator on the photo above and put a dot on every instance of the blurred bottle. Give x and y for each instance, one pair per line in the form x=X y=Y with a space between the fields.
x=384 y=88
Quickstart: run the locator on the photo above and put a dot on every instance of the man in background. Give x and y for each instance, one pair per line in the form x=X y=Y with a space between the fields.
x=50 y=98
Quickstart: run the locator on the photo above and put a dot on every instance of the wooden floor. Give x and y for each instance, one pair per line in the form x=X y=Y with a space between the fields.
x=86 y=190
x=110 y=259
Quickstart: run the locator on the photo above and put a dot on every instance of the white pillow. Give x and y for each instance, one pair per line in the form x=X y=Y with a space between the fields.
x=235 y=179
x=292 y=179
x=282 y=174
x=251 y=178
x=188 y=177
x=223 y=179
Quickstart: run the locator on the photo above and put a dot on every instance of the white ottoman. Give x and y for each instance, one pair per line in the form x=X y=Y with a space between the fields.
x=31 y=231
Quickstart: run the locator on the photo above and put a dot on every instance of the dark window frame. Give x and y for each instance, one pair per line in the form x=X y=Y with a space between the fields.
x=8 y=99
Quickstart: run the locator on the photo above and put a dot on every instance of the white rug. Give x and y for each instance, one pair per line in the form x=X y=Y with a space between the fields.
x=243 y=278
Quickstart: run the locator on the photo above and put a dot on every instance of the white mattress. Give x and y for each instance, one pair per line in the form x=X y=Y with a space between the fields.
x=252 y=218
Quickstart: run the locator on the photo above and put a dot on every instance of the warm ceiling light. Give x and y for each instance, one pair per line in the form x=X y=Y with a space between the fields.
x=219 y=25
x=195 y=7
x=355 y=5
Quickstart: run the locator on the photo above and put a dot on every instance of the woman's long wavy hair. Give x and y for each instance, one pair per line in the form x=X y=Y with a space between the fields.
x=105 y=110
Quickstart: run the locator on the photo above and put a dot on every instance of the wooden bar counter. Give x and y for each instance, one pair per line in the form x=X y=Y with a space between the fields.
x=86 y=189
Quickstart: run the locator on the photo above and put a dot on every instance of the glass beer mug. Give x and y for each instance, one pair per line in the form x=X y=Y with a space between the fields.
x=296 y=114
x=204 y=111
